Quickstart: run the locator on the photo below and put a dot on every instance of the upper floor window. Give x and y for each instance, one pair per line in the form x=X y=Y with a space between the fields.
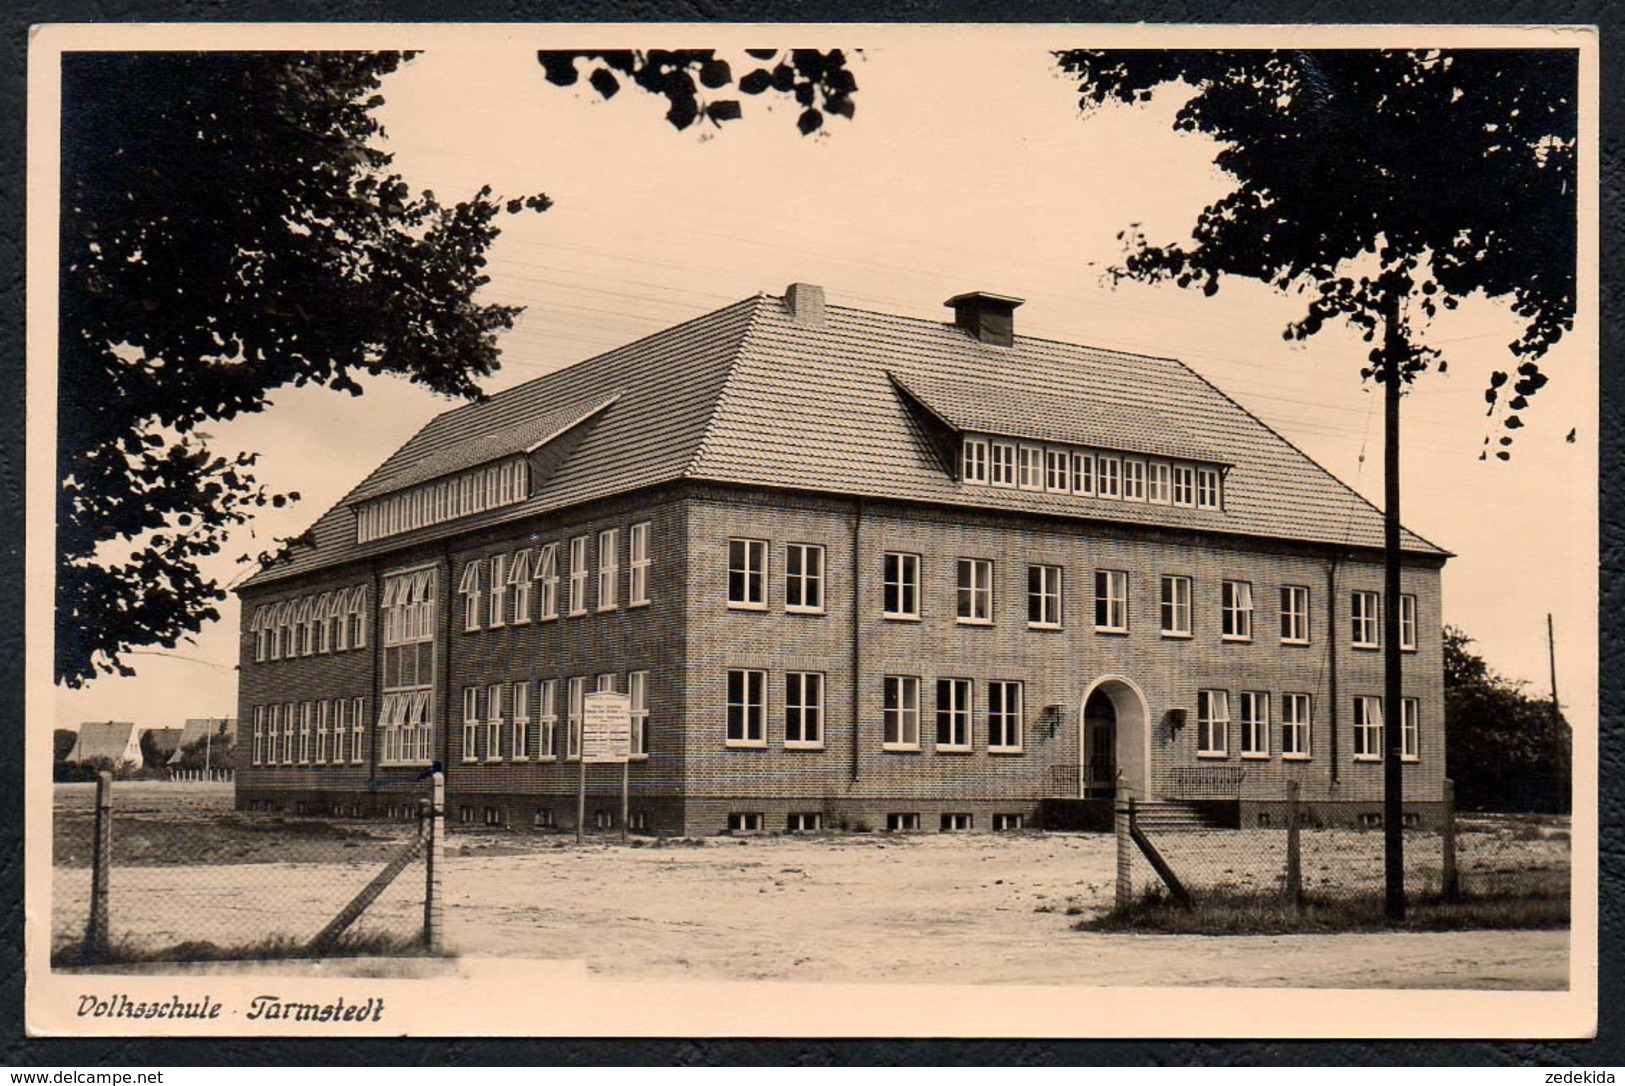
x=547 y=575
x=1004 y=724
x=1134 y=480
x=1083 y=473
x=1368 y=728
x=358 y=618
x=469 y=589
x=974 y=590
x=408 y=606
x=804 y=577
x=1366 y=614
x=1407 y=623
x=1030 y=467
x=578 y=575
x=1044 y=596
x=322 y=616
x=900 y=585
x=973 y=465
x=1108 y=476
x=609 y=568
x=1212 y=723
x=1294 y=614
x=1184 y=484
x=1002 y=464
x=1176 y=606
x=499 y=589
x=637 y=591
x=1207 y=488
x=443 y=499
x=1236 y=605
x=1057 y=470
x=1157 y=485
x=519 y=582
x=747 y=573
x=1111 y=600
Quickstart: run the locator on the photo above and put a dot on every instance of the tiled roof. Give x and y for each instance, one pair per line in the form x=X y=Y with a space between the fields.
x=748 y=395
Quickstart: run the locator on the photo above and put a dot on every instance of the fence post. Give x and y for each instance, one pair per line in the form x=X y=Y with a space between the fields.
x=1447 y=833
x=1125 y=855
x=1294 y=857
x=435 y=827
x=101 y=862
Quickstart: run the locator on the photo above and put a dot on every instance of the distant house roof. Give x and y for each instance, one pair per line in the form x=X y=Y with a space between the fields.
x=750 y=395
x=119 y=741
x=197 y=728
x=165 y=741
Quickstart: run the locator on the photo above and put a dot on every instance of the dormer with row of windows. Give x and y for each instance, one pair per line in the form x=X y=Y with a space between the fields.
x=1097 y=473
x=440 y=500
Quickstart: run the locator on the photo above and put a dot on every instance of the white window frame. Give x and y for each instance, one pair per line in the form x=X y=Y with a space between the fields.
x=547 y=720
x=806 y=583
x=360 y=616
x=637 y=692
x=745 y=719
x=900 y=712
x=578 y=575
x=637 y=587
x=1365 y=616
x=1058 y=471
x=1001 y=464
x=609 y=569
x=1297 y=718
x=1030 y=467
x=304 y=630
x=341 y=728
x=1410 y=730
x=1158 y=483
x=900 y=579
x=258 y=756
x=494 y=701
x=1006 y=728
x=1407 y=622
x=1254 y=717
x=1174 y=605
x=973 y=591
x=499 y=591
x=1236 y=611
x=1209 y=488
x=324 y=628
x=804 y=710
x=575 y=703
x=954 y=714
x=1083 y=473
x=1044 y=596
x=471 y=723
x=307 y=730
x=1368 y=725
x=273 y=733
x=547 y=572
x=1133 y=479
x=323 y=729
x=1111 y=601
x=1184 y=492
x=468 y=588
x=1295 y=603
x=1108 y=477
x=262 y=618
x=289 y=724
x=1213 y=723
x=973 y=461
x=519 y=737
x=519 y=579
x=747 y=560
x=358 y=718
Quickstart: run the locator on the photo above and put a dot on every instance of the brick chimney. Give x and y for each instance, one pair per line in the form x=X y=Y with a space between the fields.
x=988 y=317
x=805 y=303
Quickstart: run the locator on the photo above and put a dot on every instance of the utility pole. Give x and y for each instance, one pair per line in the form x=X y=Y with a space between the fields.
x=1551 y=655
x=1394 y=352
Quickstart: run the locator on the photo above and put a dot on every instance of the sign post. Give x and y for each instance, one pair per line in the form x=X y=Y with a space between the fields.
x=606 y=738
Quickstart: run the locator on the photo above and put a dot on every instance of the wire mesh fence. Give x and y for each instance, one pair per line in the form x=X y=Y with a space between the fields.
x=185 y=875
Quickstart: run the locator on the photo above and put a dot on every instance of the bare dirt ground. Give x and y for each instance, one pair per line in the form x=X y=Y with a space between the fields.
x=931 y=908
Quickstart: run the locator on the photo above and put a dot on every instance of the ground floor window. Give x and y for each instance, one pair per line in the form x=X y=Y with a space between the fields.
x=955 y=822
x=1368 y=728
x=903 y=822
x=1212 y=723
x=1295 y=725
x=1255 y=724
x=1409 y=731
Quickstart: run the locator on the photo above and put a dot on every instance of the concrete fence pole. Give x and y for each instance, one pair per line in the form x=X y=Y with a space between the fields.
x=1125 y=853
x=1294 y=855
x=1447 y=833
x=101 y=863
x=434 y=863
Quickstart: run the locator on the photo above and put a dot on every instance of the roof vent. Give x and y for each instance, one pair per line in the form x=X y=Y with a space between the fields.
x=805 y=303
x=988 y=317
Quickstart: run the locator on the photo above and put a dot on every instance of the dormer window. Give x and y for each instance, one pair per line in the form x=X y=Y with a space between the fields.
x=1030 y=467
x=1003 y=464
x=460 y=495
x=1109 y=470
x=1061 y=469
x=973 y=467
x=1207 y=488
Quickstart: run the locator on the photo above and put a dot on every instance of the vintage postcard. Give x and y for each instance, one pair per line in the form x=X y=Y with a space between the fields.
x=796 y=530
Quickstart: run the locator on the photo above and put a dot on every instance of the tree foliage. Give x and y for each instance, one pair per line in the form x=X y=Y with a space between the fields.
x=1506 y=749
x=819 y=82
x=1376 y=184
x=228 y=227
x=62 y=742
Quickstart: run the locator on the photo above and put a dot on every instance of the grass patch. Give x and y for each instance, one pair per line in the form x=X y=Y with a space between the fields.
x=1259 y=913
x=277 y=948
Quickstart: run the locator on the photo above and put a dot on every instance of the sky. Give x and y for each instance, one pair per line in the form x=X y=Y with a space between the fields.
x=968 y=166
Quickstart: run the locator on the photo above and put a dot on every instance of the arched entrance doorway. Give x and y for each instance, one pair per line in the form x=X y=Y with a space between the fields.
x=1115 y=740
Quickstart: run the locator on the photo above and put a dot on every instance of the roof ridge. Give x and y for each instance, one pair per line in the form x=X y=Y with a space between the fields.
x=740 y=349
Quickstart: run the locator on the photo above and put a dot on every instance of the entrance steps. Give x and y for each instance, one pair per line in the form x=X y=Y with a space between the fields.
x=1186 y=816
